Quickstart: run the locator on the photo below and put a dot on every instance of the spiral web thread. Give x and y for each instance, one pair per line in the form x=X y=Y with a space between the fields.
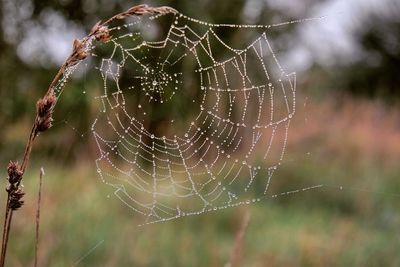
x=236 y=134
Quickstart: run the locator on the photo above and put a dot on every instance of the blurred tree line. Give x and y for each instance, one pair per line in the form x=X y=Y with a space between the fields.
x=376 y=72
x=22 y=82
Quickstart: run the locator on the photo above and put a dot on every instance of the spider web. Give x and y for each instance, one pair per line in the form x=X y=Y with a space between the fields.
x=188 y=122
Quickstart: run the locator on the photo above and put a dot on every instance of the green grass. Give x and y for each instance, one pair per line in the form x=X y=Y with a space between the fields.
x=356 y=226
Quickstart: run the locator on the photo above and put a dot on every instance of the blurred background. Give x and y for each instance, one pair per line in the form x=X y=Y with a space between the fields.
x=346 y=135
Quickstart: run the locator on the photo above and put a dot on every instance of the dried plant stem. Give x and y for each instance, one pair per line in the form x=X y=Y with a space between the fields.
x=3 y=244
x=45 y=106
x=6 y=231
x=38 y=215
x=237 y=250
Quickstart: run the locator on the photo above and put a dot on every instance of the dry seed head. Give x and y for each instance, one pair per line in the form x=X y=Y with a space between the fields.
x=145 y=9
x=95 y=28
x=45 y=105
x=14 y=173
x=164 y=10
x=81 y=55
x=45 y=112
x=78 y=53
x=79 y=49
x=103 y=34
x=15 y=192
x=77 y=45
x=16 y=196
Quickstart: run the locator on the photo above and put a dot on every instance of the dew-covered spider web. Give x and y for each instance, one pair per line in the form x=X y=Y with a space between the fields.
x=194 y=117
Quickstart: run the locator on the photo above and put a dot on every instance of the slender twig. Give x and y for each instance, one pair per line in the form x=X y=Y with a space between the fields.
x=45 y=107
x=38 y=215
x=237 y=250
x=10 y=215
x=7 y=211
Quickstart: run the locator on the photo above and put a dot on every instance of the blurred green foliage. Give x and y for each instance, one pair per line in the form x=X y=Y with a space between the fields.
x=22 y=83
x=376 y=75
x=83 y=224
x=356 y=226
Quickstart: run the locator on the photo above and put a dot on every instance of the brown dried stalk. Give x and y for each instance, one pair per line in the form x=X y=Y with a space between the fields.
x=38 y=216
x=45 y=107
x=237 y=250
